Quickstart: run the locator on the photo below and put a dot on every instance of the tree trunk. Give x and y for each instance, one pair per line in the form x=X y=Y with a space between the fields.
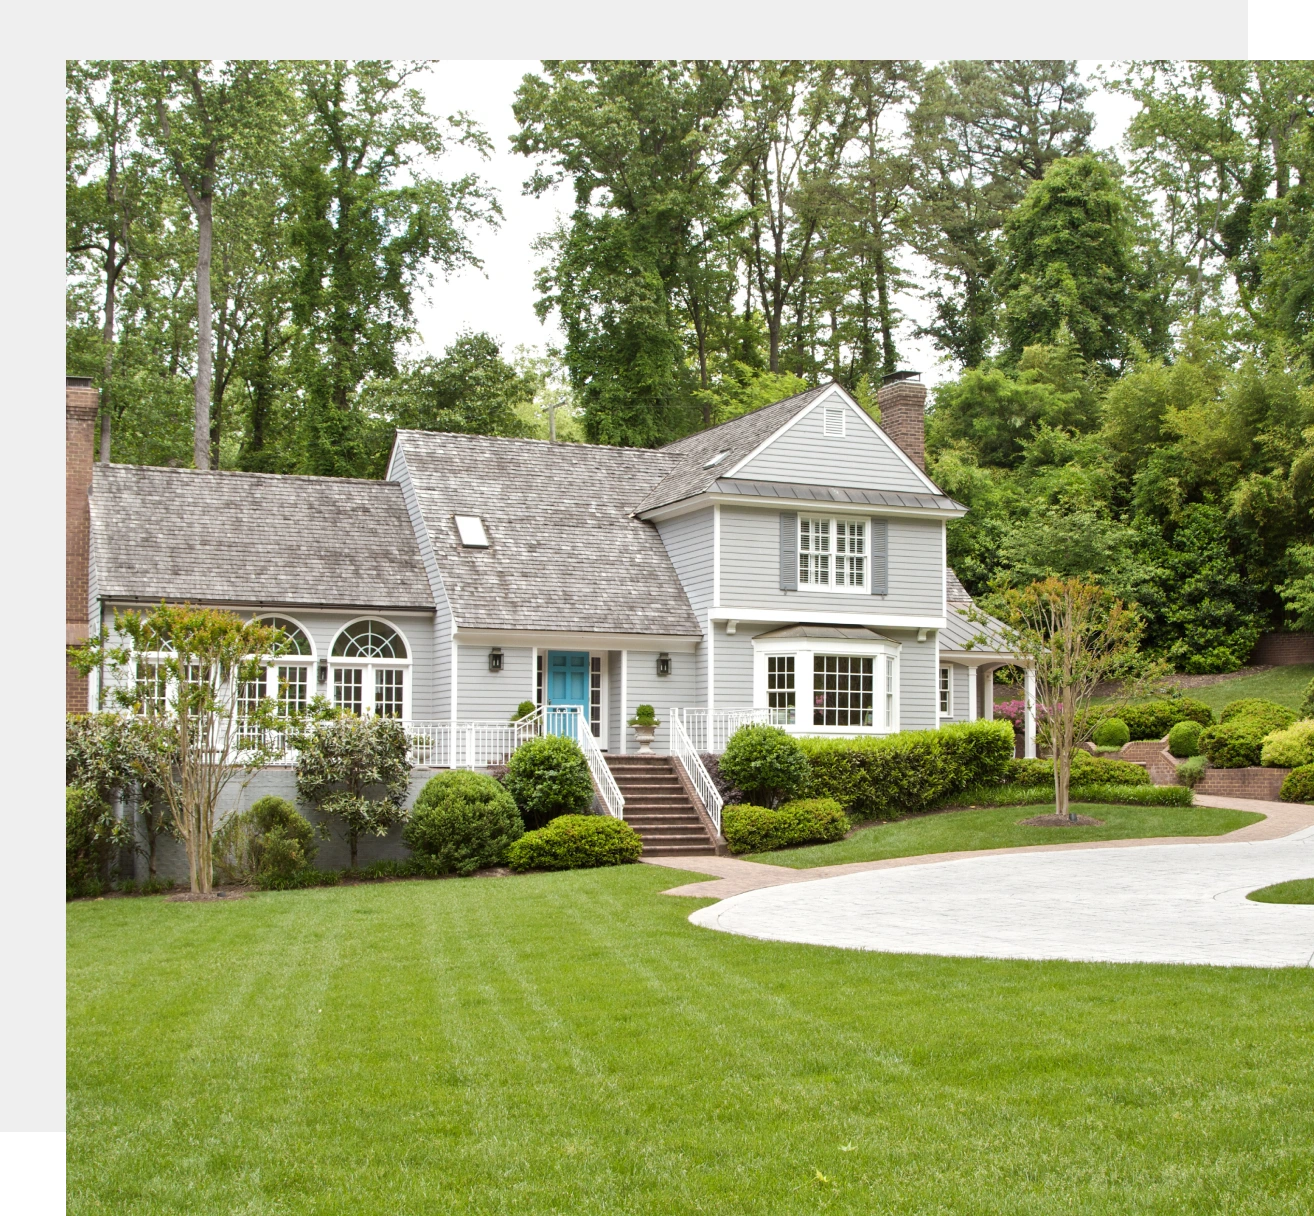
x=107 y=341
x=351 y=840
x=1062 y=771
x=204 y=332
x=889 y=356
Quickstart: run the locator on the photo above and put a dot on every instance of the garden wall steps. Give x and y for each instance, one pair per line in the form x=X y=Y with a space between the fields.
x=659 y=807
x=1263 y=784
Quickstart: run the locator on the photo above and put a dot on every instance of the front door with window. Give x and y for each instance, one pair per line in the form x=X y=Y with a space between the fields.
x=567 y=684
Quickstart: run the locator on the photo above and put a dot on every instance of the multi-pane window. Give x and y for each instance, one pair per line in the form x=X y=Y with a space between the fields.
x=388 y=692
x=251 y=693
x=780 y=683
x=293 y=689
x=152 y=687
x=832 y=553
x=595 y=695
x=889 y=693
x=348 y=683
x=376 y=682
x=842 y=690
x=538 y=681
x=946 y=693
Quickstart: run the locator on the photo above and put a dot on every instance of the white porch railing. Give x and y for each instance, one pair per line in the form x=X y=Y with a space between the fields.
x=708 y=730
x=684 y=752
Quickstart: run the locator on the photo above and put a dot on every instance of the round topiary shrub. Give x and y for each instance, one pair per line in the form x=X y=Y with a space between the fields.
x=766 y=763
x=548 y=777
x=1112 y=732
x=576 y=842
x=1184 y=739
x=462 y=822
x=1299 y=785
x=1234 y=744
x=1254 y=709
x=1290 y=748
x=270 y=841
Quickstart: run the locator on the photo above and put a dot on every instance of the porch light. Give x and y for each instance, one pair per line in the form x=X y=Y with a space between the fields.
x=495 y=659
x=663 y=664
x=323 y=671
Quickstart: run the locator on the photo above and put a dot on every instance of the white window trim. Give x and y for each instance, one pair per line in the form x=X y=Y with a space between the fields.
x=804 y=651
x=290 y=660
x=369 y=666
x=832 y=520
x=941 y=700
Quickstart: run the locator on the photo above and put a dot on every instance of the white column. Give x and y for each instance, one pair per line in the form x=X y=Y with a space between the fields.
x=989 y=699
x=971 y=693
x=711 y=668
x=533 y=675
x=1029 y=737
x=625 y=701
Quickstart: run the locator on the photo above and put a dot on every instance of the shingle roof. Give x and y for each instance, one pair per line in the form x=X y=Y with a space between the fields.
x=253 y=538
x=962 y=634
x=566 y=552
x=738 y=437
x=807 y=493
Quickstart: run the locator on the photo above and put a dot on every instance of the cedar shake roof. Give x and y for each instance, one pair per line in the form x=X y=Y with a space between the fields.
x=961 y=634
x=253 y=539
x=565 y=552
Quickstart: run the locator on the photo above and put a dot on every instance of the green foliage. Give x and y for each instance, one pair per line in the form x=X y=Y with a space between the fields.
x=576 y=842
x=1111 y=732
x=1086 y=770
x=755 y=829
x=463 y=822
x=882 y=778
x=1190 y=771
x=270 y=840
x=644 y=715
x=1266 y=713
x=1298 y=786
x=1237 y=743
x=1289 y=748
x=1111 y=792
x=297 y=880
x=766 y=763
x=1184 y=738
x=92 y=835
x=523 y=710
x=1307 y=702
x=548 y=777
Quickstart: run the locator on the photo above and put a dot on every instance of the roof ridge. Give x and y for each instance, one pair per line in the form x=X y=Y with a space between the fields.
x=527 y=439
x=299 y=477
x=761 y=409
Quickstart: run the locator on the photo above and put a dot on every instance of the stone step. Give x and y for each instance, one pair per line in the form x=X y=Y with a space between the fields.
x=691 y=851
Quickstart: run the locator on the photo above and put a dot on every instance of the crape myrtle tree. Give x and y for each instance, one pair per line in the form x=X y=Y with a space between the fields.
x=201 y=672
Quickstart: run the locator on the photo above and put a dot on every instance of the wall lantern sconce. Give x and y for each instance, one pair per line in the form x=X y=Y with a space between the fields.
x=495 y=659
x=663 y=664
x=323 y=671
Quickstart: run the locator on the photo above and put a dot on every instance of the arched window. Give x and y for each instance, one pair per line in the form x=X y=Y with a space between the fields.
x=288 y=679
x=369 y=660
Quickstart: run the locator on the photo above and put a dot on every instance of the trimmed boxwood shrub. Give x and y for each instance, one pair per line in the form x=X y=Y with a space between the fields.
x=766 y=763
x=1190 y=771
x=1255 y=709
x=1184 y=739
x=882 y=778
x=1235 y=744
x=1299 y=785
x=548 y=777
x=1290 y=748
x=1108 y=793
x=463 y=822
x=267 y=843
x=1086 y=770
x=1153 y=719
x=576 y=842
x=754 y=829
x=1112 y=732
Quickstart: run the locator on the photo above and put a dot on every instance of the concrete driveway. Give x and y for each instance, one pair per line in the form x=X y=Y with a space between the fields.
x=1168 y=903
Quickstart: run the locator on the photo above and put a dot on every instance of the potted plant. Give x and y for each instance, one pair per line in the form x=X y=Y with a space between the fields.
x=645 y=726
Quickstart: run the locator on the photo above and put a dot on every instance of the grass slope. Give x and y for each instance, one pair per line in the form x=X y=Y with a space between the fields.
x=1298 y=891
x=569 y=1043
x=1285 y=685
x=997 y=828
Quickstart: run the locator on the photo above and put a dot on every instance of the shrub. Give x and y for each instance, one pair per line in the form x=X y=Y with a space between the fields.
x=754 y=829
x=548 y=777
x=1112 y=732
x=299 y=880
x=644 y=715
x=1290 y=748
x=270 y=838
x=463 y=822
x=882 y=778
x=1184 y=738
x=1190 y=771
x=1086 y=770
x=766 y=763
x=1235 y=744
x=576 y=842
x=1153 y=719
x=91 y=836
x=1109 y=793
x=1299 y=785
x=523 y=710
x=1307 y=703
x=1255 y=709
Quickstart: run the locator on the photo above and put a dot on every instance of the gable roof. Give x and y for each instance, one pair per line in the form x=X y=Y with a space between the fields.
x=961 y=634
x=212 y=537
x=566 y=552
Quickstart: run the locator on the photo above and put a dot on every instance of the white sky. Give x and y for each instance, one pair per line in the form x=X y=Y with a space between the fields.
x=500 y=298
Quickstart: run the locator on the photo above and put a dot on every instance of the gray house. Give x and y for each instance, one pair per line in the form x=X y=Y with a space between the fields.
x=787 y=566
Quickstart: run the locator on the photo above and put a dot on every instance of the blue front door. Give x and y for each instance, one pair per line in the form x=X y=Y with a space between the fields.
x=567 y=684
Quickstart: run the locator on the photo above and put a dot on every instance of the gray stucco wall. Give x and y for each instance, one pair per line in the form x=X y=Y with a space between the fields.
x=750 y=568
x=805 y=455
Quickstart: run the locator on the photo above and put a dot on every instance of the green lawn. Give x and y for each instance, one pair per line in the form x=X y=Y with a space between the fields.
x=569 y=1043
x=1285 y=685
x=1298 y=891
x=997 y=828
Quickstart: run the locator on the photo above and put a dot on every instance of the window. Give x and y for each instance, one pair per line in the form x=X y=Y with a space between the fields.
x=288 y=681
x=293 y=689
x=833 y=419
x=889 y=693
x=471 y=530
x=720 y=456
x=251 y=693
x=832 y=553
x=946 y=693
x=298 y=645
x=369 y=661
x=152 y=687
x=369 y=640
x=538 y=681
x=595 y=695
x=347 y=685
x=842 y=690
x=780 y=684
x=388 y=692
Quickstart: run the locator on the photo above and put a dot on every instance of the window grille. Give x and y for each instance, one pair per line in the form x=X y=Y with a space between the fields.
x=293 y=689
x=780 y=683
x=347 y=688
x=369 y=640
x=388 y=692
x=850 y=553
x=842 y=691
x=946 y=693
x=538 y=681
x=250 y=694
x=833 y=420
x=595 y=695
x=832 y=552
x=889 y=693
x=152 y=687
x=297 y=642
x=814 y=552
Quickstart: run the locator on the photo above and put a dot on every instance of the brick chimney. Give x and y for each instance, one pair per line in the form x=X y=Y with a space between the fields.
x=81 y=402
x=902 y=399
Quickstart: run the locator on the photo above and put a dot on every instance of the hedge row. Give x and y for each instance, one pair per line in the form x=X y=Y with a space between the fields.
x=754 y=829
x=1108 y=793
x=1153 y=719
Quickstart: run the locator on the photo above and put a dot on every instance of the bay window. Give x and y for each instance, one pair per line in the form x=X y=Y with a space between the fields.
x=846 y=679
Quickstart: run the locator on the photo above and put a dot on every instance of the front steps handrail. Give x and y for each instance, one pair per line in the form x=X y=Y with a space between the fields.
x=683 y=750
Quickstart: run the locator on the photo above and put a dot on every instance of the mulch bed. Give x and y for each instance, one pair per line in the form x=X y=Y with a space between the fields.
x=1060 y=821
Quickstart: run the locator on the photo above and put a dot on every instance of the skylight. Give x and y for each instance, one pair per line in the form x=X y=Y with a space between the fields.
x=471 y=528
x=720 y=456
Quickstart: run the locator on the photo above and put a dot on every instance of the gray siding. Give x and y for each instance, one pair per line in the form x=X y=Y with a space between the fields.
x=645 y=686
x=492 y=696
x=918 y=673
x=861 y=459
x=615 y=721
x=689 y=541
x=734 y=665
x=750 y=568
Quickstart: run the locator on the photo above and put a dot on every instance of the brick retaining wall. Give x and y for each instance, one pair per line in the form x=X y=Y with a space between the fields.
x=1284 y=649
x=1262 y=783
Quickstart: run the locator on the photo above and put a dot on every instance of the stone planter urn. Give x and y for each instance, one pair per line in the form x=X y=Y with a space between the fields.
x=644 y=735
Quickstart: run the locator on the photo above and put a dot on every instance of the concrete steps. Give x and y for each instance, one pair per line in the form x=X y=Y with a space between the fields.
x=659 y=808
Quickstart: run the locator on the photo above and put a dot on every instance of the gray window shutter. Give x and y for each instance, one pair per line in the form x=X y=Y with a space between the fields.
x=788 y=550
x=880 y=556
